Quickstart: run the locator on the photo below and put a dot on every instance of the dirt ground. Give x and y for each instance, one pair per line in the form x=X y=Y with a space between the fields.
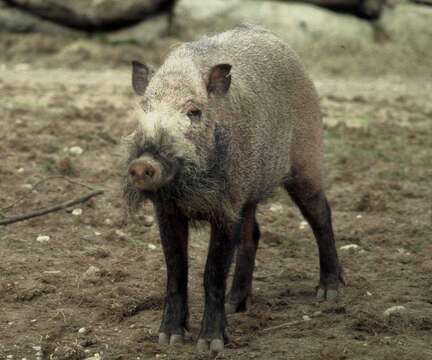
x=97 y=285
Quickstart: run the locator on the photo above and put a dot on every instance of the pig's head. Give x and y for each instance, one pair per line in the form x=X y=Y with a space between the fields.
x=177 y=146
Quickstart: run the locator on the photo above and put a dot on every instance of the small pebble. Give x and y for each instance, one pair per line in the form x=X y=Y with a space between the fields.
x=148 y=220
x=97 y=233
x=33 y=320
x=22 y=67
x=402 y=251
x=27 y=186
x=94 y=357
x=152 y=247
x=306 y=318
x=350 y=247
x=398 y=309
x=43 y=238
x=9 y=357
x=52 y=272
x=82 y=330
x=368 y=293
x=108 y=222
x=302 y=225
x=92 y=270
x=359 y=216
x=10 y=323
x=121 y=234
x=276 y=207
x=76 y=150
x=77 y=212
x=20 y=170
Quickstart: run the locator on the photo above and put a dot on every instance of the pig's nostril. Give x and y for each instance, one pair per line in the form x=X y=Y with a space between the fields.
x=132 y=172
x=145 y=174
x=149 y=172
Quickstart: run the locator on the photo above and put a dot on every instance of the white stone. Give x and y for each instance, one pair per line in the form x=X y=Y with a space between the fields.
x=33 y=320
x=82 y=330
x=398 y=309
x=368 y=293
x=97 y=233
x=43 y=238
x=402 y=251
x=108 y=221
x=94 y=357
x=9 y=357
x=121 y=234
x=20 y=170
x=306 y=318
x=77 y=212
x=359 y=216
x=52 y=272
x=22 y=67
x=27 y=186
x=276 y=207
x=92 y=270
x=302 y=225
x=148 y=220
x=76 y=150
x=152 y=247
x=350 y=247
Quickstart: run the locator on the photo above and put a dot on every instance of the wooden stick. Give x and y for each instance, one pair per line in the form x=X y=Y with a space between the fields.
x=284 y=325
x=57 y=207
x=35 y=186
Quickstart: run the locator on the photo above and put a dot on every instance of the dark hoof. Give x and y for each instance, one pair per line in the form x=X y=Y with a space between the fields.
x=215 y=346
x=326 y=294
x=233 y=306
x=230 y=308
x=328 y=289
x=173 y=339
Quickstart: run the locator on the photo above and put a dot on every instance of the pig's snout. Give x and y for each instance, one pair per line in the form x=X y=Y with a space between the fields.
x=145 y=173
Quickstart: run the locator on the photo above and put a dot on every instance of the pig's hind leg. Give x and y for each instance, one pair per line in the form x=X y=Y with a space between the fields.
x=173 y=227
x=309 y=196
x=241 y=288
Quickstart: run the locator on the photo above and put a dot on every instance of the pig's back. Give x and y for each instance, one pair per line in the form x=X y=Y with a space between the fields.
x=275 y=115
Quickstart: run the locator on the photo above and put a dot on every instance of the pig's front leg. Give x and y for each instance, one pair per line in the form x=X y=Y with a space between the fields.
x=173 y=227
x=212 y=335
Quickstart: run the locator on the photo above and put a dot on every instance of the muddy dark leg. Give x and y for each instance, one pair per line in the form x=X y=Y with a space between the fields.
x=212 y=334
x=316 y=210
x=245 y=262
x=174 y=238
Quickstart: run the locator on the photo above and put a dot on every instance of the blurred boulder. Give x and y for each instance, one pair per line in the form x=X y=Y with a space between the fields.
x=16 y=21
x=365 y=9
x=93 y=15
x=327 y=41
x=297 y=23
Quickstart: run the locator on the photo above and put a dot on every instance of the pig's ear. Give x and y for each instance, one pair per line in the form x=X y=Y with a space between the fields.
x=219 y=79
x=141 y=75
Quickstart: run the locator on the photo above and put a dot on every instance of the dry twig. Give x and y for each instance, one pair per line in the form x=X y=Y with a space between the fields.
x=284 y=325
x=57 y=207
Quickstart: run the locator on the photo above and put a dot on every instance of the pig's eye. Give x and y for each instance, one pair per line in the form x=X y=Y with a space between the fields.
x=194 y=115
